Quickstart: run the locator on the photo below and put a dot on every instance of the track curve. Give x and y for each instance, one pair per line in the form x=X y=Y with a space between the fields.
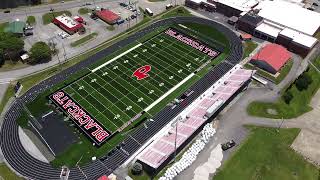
x=29 y=167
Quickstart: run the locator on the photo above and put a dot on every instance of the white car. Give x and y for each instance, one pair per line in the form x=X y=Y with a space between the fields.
x=63 y=35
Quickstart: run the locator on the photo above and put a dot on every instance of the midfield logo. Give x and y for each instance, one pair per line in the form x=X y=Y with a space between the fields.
x=142 y=72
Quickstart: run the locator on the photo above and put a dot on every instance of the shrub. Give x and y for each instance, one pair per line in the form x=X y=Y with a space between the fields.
x=136 y=169
x=303 y=82
x=287 y=97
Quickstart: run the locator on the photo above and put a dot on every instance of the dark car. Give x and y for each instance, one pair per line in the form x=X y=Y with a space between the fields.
x=133 y=16
x=6 y=11
x=123 y=4
x=93 y=16
x=228 y=145
x=120 y=21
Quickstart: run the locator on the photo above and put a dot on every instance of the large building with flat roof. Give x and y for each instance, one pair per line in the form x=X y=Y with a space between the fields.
x=290 y=15
x=68 y=24
x=108 y=16
x=283 y=22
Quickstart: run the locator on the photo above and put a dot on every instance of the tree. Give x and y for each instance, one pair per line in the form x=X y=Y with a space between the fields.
x=303 y=82
x=136 y=169
x=40 y=52
x=10 y=46
x=35 y=2
x=287 y=97
x=1 y=57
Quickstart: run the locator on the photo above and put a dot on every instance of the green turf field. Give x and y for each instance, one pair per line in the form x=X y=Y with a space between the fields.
x=113 y=96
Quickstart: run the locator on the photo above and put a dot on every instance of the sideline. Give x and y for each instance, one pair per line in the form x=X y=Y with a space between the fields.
x=115 y=58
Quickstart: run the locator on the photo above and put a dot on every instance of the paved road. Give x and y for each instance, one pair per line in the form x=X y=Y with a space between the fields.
x=46 y=8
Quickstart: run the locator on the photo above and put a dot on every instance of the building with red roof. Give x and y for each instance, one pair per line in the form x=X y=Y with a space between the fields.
x=68 y=24
x=108 y=16
x=271 y=58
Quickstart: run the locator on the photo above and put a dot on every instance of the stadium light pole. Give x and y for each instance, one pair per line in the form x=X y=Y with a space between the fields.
x=175 y=138
x=175 y=143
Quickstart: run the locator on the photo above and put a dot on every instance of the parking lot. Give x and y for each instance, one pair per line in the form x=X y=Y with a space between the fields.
x=50 y=32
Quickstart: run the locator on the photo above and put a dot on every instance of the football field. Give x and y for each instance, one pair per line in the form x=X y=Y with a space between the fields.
x=135 y=80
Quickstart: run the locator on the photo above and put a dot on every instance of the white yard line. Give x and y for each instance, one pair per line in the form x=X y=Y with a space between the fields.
x=169 y=92
x=162 y=61
x=83 y=98
x=159 y=76
x=115 y=58
x=108 y=101
x=187 y=49
x=107 y=83
x=130 y=84
x=184 y=56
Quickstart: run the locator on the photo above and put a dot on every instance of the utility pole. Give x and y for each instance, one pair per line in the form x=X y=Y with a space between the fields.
x=64 y=52
x=53 y=43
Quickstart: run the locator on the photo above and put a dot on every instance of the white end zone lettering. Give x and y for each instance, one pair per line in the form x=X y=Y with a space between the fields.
x=92 y=128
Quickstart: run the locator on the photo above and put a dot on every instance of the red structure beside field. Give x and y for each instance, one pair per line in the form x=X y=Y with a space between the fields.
x=68 y=24
x=271 y=58
x=108 y=16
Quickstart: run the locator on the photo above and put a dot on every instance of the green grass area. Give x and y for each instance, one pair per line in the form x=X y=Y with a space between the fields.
x=3 y=25
x=31 y=20
x=180 y=11
x=267 y=155
x=318 y=36
x=7 y=174
x=249 y=46
x=205 y=33
x=110 y=28
x=297 y=106
x=83 y=40
x=48 y=17
x=84 y=11
x=7 y=95
x=156 y=0
x=283 y=72
x=143 y=176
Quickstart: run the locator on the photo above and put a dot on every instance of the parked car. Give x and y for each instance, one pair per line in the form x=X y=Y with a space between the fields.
x=120 y=21
x=6 y=11
x=169 y=6
x=133 y=16
x=88 y=3
x=123 y=4
x=228 y=145
x=93 y=16
x=63 y=35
